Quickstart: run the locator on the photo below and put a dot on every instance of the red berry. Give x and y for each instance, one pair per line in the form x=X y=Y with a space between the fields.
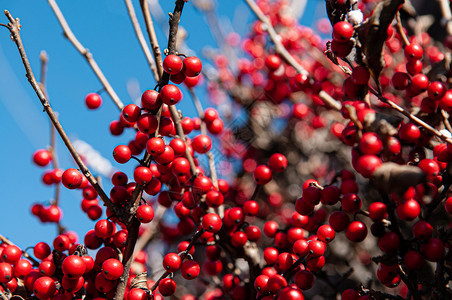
x=172 y=64
x=192 y=66
x=131 y=113
x=170 y=94
x=142 y=175
x=356 y=231
x=413 y=51
x=211 y=222
x=409 y=132
x=172 y=262
x=147 y=123
x=93 y=101
x=273 y=62
x=342 y=31
x=122 y=154
x=150 y=100
x=42 y=157
x=112 y=269
x=41 y=250
x=167 y=287
x=145 y=213
x=6 y=272
x=262 y=174
x=44 y=287
x=73 y=266
x=72 y=178
x=104 y=228
x=370 y=143
x=190 y=269
x=202 y=143
x=277 y=162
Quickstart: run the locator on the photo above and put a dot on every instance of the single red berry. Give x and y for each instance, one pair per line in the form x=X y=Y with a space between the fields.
x=73 y=266
x=192 y=66
x=167 y=287
x=389 y=242
x=11 y=254
x=276 y=282
x=378 y=211
x=202 y=143
x=211 y=222
x=190 y=269
x=93 y=101
x=422 y=230
x=436 y=90
x=401 y=80
x=260 y=284
x=413 y=260
x=172 y=262
x=238 y=239
x=409 y=132
x=122 y=154
x=131 y=113
x=351 y=203
x=142 y=175
x=370 y=143
x=112 y=269
x=262 y=174
x=41 y=250
x=147 y=123
x=325 y=233
x=145 y=213
x=170 y=94
x=172 y=64
x=42 y=157
x=72 y=178
x=47 y=268
x=413 y=51
x=304 y=279
x=166 y=157
x=356 y=231
x=273 y=62
x=150 y=100
x=116 y=128
x=6 y=272
x=367 y=164
x=44 y=287
x=342 y=31
x=104 y=228
x=102 y=284
x=277 y=162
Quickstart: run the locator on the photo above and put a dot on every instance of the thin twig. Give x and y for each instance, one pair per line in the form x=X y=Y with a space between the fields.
x=412 y=117
x=25 y=254
x=52 y=149
x=152 y=36
x=276 y=38
x=86 y=53
x=141 y=39
x=445 y=116
x=14 y=27
x=182 y=255
x=400 y=30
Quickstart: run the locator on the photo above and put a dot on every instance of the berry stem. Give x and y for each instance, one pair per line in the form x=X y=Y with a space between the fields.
x=400 y=30
x=86 y=53
x=141 y=39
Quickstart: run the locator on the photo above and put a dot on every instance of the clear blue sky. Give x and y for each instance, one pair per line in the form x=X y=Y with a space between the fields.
x=104 y=27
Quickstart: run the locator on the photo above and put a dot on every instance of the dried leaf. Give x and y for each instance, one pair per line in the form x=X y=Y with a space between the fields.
x=374 y=35
x=394 y=178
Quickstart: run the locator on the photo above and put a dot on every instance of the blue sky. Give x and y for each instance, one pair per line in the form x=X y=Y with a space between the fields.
x=103 y=27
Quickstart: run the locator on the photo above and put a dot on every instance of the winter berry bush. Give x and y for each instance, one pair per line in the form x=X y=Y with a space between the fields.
x=319 y=170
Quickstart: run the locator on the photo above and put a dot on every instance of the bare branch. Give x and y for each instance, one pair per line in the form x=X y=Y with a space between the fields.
x=85 y=52
x=140 y=36
x=14 y=27
x=152 y=37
